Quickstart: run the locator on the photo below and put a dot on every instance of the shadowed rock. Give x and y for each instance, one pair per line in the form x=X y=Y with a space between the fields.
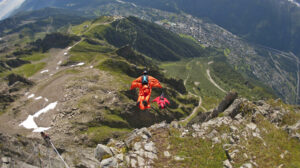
x=13 y=78
x=226 y=102
x=16 y=62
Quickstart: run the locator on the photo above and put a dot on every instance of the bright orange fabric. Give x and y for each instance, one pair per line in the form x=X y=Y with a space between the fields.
x=145 y=90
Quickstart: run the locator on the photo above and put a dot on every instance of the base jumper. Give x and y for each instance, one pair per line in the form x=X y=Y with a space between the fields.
x=145 y=83
x=161 y=101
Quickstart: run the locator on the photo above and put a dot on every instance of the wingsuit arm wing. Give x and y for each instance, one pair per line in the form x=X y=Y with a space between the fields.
x=167 y=101
x=154 y=82
x=155 y=100
x=136 y=83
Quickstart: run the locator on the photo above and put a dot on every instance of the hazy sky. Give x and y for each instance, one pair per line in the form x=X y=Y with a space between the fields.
x=7 y=6
x=295 y=2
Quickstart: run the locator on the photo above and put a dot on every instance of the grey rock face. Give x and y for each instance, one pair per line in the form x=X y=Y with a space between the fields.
x=6 y=162
x=246 y=165
x=102 y=150
x=226 y=102
x=133 y=163
x=216 y=140
x=252 y=126
x=137 y=146
x=141 y=161
x=142 y=151
x=227 y=164
x=233 y=109
x=150 y=147
x=297 y=136
x=150 y=155
x=109 y=163
x=167 y=154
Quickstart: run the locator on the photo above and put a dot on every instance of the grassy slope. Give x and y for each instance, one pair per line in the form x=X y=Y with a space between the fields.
x=196 y=152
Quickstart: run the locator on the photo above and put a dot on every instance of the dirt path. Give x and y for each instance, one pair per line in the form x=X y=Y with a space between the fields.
x=213 y=82
x=56 y=58
x=195 y=110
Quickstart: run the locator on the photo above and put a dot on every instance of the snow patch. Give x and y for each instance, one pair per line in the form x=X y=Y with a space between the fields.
x=65 y=53
x=69 y=48
x=91 y=67
x=44 y=71
x=122 y=2
x=41 y=129
x=26 y=93
x=51 y=106
x=79 y=64
x=30 y=96
x=59 y=62
x=57 y=68
x=46 y=99
x=133 y=4
x=38 y=98
x=29 y=123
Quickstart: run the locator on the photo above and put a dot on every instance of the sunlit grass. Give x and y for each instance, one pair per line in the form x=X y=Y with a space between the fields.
x=28 y=70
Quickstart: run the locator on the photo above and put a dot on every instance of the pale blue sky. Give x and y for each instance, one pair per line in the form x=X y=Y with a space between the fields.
x=7 y=6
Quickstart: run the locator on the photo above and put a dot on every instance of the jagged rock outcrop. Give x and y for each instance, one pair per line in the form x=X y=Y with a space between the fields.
x=9 y=91
x=16 y=62
x=293 y=130
x=226 y=102
x=3 y=66
x=13 y=78
x=137 y=150
x=102 y=151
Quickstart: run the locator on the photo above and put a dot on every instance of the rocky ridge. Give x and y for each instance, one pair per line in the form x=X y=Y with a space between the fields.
x=235 y=123
x=241 y=119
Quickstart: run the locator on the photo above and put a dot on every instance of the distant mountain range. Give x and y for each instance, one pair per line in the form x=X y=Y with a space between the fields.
x=273 y=23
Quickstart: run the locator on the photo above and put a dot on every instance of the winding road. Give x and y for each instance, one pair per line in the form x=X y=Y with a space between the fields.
x=195 y=110
x=213 y=82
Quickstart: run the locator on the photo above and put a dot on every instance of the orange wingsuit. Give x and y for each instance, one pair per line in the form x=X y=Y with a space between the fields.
x=144 y=90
